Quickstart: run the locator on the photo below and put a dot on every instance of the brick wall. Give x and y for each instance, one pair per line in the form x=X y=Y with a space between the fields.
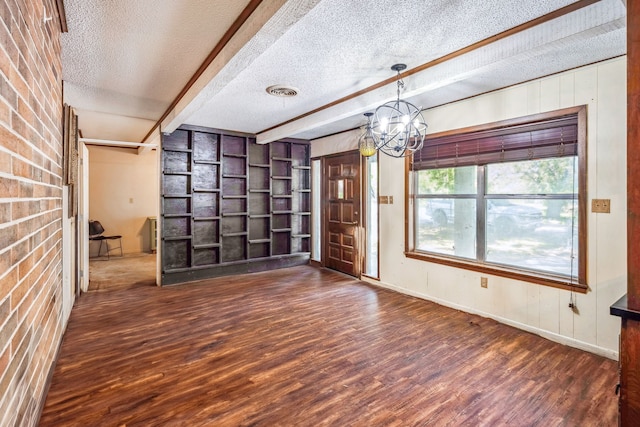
x=31 y=315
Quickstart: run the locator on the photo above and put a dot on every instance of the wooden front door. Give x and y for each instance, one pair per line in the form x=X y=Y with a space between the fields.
x=342 y=213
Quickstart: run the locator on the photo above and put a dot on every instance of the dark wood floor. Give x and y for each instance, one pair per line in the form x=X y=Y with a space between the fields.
x=308 y=347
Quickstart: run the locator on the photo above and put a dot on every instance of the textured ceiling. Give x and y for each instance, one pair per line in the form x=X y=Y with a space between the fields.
x=131 y=58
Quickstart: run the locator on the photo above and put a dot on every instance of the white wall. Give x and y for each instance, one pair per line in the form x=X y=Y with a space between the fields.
x=540 y=309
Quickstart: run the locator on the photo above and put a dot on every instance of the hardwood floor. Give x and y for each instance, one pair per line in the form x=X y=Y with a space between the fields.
x=309 y=347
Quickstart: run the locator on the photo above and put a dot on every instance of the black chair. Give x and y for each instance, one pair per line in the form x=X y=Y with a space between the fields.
x=95 y=233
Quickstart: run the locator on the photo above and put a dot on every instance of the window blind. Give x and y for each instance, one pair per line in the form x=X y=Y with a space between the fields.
x=557 y=137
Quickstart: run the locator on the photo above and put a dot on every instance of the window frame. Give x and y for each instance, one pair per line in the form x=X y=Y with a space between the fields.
x=556 y=281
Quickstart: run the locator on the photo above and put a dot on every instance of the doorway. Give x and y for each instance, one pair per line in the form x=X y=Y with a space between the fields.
x=342 y=188
x=122 y=194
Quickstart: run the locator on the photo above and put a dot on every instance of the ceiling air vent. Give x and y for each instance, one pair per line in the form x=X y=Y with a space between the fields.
x=282 y=91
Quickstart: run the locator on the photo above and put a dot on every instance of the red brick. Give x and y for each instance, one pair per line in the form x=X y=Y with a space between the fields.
x=8 y=236
x=20 y=127
x=21 y=168
x=23 y=332
x=19 y=210
x=8 y=282
x=5 y=212
x=25 y=266
x=8 y=93
x=19 y=291
x=8 y=140
x=18 y=82
x=26 y=189
x=7 y=331
x=19 y=251
x=5 y=162
x=4 y=310
x=7 y=42
x=5 y=112
x=4 y=360
x=8 y=188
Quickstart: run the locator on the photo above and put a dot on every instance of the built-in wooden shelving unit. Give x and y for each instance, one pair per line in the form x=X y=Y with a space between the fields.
x=231 y=206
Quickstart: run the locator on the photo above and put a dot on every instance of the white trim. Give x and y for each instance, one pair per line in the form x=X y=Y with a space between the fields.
x=129 y=144
x=552 y=336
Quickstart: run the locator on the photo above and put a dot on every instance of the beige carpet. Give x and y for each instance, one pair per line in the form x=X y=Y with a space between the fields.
x=129 y=271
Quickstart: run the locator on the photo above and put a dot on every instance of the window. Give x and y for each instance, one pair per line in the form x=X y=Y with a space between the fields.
x=507 y=198
x=316 y=206
x=371 y=224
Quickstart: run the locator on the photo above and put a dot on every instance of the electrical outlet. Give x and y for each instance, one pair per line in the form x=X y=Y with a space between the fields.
x=601 y=205
x=484 y=282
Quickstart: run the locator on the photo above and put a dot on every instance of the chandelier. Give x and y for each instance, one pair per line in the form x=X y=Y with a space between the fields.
x=398 y=127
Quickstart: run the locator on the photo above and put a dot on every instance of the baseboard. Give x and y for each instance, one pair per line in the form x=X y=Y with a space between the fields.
x=314 y=263
x=552 y=336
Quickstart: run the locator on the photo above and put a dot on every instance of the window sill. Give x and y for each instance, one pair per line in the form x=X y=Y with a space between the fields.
x=552 y=281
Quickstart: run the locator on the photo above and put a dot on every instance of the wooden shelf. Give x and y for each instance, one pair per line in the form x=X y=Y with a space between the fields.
x=235 y=196
x=176 y=196
x=282 y=159
x=281 y=196
x=281 y=212
x=175 y=238
x=239 y=233
x=259 y=165
x=178 y=215
x=177 y=150
x=240 y=156
x=281 y=230
x=306 y=168
x=185 y=173
x=234 y=214
x=206 y=190
x=301 y=213
x=281 y=177
x=253 y=241
x=207 y=162
x=300 y=236
x=207 y=246
x=259 y=191
x=259 y=216
x=206 y=218
x=234 y=176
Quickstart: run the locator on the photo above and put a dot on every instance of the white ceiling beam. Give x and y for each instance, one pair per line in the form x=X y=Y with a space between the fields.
x=257 y=33
x=154 y=141
x=115 y=143
x=503 y=52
